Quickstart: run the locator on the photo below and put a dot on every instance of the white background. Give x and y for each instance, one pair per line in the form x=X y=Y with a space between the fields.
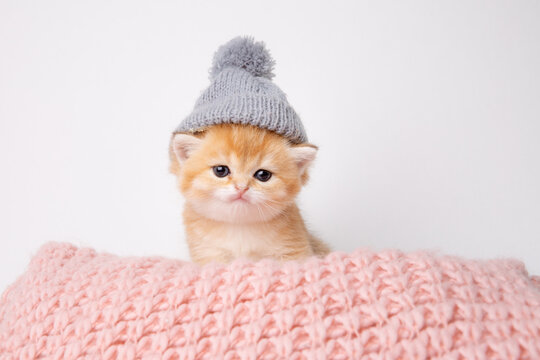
x=427 y=114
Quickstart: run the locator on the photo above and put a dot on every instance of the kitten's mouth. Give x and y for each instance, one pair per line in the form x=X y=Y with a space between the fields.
x=239 y=199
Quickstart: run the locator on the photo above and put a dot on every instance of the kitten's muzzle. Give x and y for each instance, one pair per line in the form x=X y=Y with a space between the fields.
x=240 y=191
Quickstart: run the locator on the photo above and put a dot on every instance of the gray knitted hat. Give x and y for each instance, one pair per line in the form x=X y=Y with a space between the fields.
x=241 y=92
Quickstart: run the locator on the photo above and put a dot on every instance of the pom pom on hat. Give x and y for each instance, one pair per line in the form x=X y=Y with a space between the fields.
x=244 y=53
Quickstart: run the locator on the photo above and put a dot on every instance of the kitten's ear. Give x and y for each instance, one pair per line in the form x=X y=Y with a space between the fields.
x=303 y=155
x=184 y=145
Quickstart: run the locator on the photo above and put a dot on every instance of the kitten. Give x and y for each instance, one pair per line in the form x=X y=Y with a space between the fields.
x=240 y=182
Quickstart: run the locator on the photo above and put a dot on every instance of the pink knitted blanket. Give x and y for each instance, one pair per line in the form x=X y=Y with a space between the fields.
x=76 y=303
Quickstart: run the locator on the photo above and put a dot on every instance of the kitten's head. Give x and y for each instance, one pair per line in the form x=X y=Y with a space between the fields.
x=239 y=173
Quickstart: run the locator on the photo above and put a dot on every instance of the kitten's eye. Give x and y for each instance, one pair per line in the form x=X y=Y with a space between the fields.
x=263 y=175
x=221 y=170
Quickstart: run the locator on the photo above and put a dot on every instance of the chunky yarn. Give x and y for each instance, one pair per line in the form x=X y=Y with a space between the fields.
x=74 y=303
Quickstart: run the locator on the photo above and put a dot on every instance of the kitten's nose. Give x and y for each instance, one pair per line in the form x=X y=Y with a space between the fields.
x=241 y=188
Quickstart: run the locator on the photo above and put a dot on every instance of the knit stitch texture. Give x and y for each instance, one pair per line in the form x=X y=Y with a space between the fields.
x=75 y=303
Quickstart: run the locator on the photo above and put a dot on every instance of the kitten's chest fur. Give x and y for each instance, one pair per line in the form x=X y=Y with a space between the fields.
x=284 y=237
x=251 y=240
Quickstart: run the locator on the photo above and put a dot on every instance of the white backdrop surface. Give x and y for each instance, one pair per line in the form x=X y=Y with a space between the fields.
x=427 y=115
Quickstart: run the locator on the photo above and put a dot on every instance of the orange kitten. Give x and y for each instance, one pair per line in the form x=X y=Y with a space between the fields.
x=240 y=183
